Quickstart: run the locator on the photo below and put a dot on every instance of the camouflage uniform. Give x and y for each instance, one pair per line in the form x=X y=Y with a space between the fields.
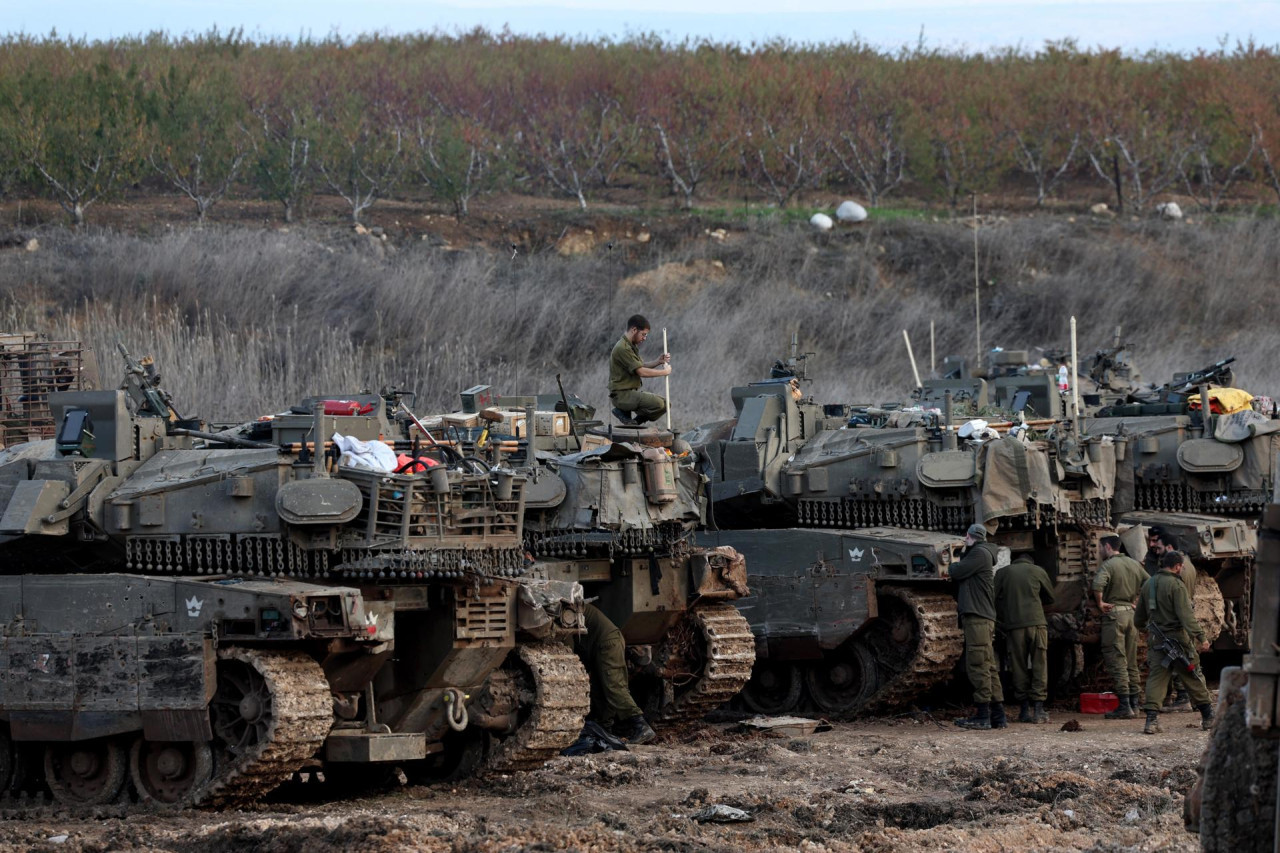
x=625 y=384
x=603 y=653
x=1119 y=579
x=975 y=601
x=1023 y=590
x=1164 y=602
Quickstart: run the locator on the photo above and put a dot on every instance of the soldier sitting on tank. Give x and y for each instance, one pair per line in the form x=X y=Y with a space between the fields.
x=1164 y=604
x=1023 y=591
x=1159 y=543
x=1115 y=589
x=627 y=371
x=975 y=601
x=603 y=653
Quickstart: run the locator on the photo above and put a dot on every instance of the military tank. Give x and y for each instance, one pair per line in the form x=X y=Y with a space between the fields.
x=1049 y=486
x=200 y=615
x=615 y=509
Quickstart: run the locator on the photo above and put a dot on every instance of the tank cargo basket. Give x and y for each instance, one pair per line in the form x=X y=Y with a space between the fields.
x=30 y=370
x=441 y=509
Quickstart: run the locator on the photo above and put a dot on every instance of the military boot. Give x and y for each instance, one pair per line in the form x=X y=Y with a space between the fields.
x=1153 y=723
x=1122 y=711
x=998 y=719
x=1135 y=704
x=1042 y=716
x=1206 y=716
x=981 y=718
x=635 y=730
x=1024 y=716
x=1178 y=701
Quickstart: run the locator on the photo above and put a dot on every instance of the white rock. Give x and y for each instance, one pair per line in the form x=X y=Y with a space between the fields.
x=58 y=839
x=32 y=245
x=851 y=211
x=1169 y=210
x=1132 y=816
x=1101 y=209
x=821 y=221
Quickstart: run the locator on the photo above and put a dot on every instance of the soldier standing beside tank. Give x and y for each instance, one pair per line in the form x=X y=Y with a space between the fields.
x=1023 y=591
x=1159 y=543
x=1115 y=588
x=975 y=601
x=627 y=372
x=1163 y=604
x=603 y=653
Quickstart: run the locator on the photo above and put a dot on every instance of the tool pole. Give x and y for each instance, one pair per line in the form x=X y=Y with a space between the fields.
x=667 y=379
x=1075 y=372
x=910 y=355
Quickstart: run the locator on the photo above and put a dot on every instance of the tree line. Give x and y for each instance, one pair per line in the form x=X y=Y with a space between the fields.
x=458 y=116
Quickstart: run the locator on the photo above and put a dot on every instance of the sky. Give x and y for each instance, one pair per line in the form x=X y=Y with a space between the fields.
x=957 y=25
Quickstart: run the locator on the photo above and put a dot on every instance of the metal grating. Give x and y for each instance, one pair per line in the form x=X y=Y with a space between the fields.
x=30 y=370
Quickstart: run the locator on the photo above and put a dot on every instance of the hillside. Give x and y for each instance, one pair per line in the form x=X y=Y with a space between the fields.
x=244 y=319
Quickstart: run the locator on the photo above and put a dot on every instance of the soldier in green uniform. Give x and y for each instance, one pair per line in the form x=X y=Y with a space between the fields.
x=627 y=372
x=1115 y=588
x=1159 y=543
x=975 y=601
x=1163 y=602
x=1023 y=591
x=603 y=653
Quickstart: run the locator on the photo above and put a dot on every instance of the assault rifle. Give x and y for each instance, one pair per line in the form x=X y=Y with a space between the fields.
x=1170 y=648
x=1218 y=373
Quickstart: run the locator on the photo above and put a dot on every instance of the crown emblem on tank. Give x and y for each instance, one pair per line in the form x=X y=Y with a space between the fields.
x=193 y=606
x=855 y=554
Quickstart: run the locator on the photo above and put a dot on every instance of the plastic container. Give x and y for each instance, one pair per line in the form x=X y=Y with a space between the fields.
x=1098 y=703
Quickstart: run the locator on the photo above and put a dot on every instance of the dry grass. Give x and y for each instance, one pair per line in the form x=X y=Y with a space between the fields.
x=243 y=320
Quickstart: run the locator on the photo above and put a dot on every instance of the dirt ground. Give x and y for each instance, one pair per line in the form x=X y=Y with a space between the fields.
x=890 y=784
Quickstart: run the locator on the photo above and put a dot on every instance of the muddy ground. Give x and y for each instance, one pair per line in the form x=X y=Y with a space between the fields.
x=892 y=784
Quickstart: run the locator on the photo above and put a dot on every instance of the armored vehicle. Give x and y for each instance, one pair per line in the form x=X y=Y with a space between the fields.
x=1042 y=486
x=615 y=509
x=205 y=614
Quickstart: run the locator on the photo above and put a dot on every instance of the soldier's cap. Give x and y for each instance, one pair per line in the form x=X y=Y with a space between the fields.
x=977 y=532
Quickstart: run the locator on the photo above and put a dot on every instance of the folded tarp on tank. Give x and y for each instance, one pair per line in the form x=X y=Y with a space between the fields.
x=1242 y=425
x=1014 y=472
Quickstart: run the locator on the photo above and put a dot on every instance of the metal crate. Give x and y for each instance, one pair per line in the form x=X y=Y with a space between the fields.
x=30 y=370
x=407 y=512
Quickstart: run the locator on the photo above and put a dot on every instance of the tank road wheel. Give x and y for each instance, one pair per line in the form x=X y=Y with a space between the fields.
x=85 y=773
x=1238 y=800
x=170 y=773
x=844 y=680
x=774 y=688
x=551 y=693
x=271 y=712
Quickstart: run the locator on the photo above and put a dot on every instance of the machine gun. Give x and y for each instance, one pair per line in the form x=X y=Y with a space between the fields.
x=142 y=383
x=1169 y=647
x=1218 y=373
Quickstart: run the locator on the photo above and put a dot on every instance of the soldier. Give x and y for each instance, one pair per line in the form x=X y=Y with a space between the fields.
x=603 y=653
x=1023 y=590
x=1164 y=605
x=1115 y=588
x=1159 y=543
x=975 y=601
x=626 y=372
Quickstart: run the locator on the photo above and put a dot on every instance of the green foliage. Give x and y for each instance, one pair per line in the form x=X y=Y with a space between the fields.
x=77 y=125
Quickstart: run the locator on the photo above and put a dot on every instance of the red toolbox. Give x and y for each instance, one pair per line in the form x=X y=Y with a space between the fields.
x=1098 y=703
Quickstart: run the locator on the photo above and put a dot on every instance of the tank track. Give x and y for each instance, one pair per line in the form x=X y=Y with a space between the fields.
x=303 y=714
x=939 y=645
x=730 y=654
x=563 y=699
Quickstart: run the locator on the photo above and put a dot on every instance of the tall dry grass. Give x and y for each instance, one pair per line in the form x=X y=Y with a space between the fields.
x=243 y=321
